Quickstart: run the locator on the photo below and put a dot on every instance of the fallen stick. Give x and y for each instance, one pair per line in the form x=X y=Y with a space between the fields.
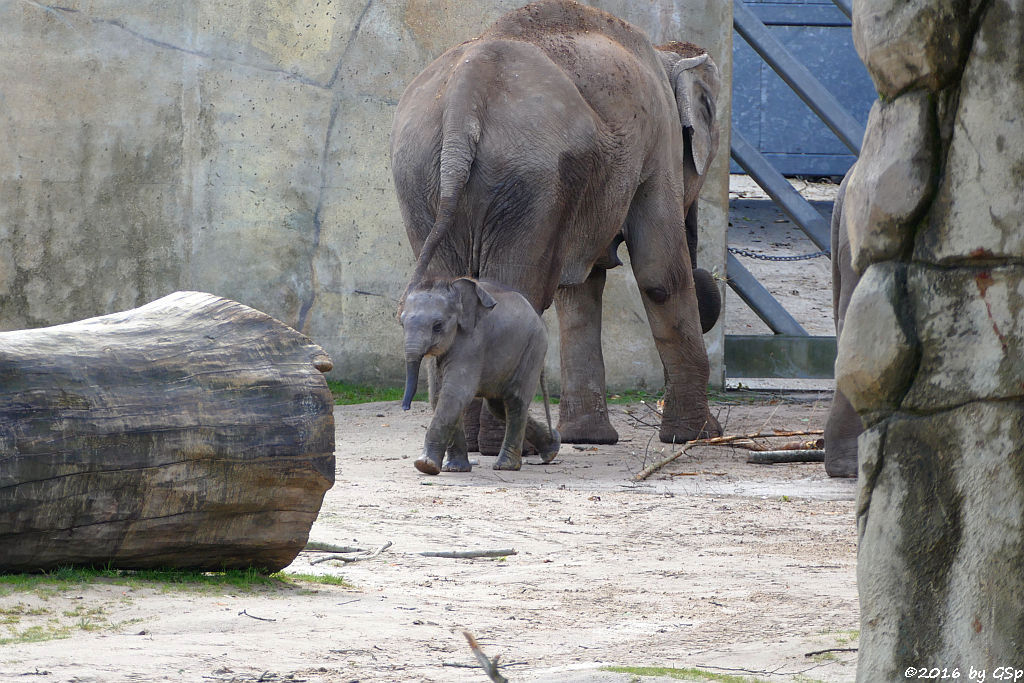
x=468 y=554
x=364 y=555
x=777 y=457
x=318 y=547
x=831 y=649
x=716 y=441
x=259 y=619
x=490 y=666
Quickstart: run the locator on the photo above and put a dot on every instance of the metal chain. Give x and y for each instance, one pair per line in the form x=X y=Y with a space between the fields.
x=765 y=257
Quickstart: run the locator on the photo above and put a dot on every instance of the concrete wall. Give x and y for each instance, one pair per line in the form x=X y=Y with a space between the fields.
x=240 y=147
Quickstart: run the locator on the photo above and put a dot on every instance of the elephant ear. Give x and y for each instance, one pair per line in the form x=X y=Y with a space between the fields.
x=695 y=81
x=474 y=301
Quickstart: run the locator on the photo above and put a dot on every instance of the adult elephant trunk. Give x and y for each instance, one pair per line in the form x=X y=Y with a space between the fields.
x=412 y=376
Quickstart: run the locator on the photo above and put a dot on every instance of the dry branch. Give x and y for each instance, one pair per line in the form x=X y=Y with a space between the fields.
x=363 y=555
x=490 y=666
x=467 y=554
x=717 y=441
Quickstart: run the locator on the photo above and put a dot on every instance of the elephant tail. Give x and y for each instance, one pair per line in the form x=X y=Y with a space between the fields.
x=459 y=137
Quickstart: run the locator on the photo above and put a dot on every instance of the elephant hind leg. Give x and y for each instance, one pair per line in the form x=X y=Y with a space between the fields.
x=583 y=408
x=510 y=457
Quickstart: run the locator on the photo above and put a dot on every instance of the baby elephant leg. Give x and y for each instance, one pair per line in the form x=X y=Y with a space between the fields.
x=547 y=441
x=441 y=433
x=510 y=457
x=457 y=459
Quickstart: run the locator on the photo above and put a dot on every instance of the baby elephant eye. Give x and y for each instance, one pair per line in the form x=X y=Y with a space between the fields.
x=438 y=327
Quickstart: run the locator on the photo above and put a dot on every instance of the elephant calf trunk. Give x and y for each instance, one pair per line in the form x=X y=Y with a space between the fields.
x=412 y=376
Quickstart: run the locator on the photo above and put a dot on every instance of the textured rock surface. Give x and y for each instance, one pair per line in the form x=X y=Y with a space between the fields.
x=986 y=158
x=192 y=432
x=892 y=181
x=242 y=149
x=876 y=354
x=911 y=44
x=941 y=502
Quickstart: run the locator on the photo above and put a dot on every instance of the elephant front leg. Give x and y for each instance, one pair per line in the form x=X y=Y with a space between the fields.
x=675 y=323
x=441 y=433
x=583 y=408
x=665 y=279
x=457 y=459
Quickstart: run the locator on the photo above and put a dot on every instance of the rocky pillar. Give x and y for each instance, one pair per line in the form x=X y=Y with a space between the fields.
x=931 y=355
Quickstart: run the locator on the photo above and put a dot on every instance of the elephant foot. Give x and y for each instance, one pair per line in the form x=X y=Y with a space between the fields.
x=841 y=459
x=457 y=464
x=550 y=452
x=427 y=465
x=678 y=431
x=593 y=428
x=509 y=460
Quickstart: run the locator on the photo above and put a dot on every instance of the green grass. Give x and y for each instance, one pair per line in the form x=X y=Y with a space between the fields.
x=681 y=674
x=322 y=579
x=70 y=577
x=349 y=394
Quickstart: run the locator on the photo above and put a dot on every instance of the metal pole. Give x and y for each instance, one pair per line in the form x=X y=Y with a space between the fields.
x=773 y=182
x=760 y=300
x=796 y=75
x=845 y=6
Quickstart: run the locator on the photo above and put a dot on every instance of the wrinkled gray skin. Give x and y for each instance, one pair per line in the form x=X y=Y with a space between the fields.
x=527 y=155
x=844 y=424
x=488 y=342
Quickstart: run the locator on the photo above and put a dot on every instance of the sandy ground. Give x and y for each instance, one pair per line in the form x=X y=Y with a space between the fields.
x=710 y=563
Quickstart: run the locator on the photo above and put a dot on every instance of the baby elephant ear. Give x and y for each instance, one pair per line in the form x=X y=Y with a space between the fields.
x=475 y=301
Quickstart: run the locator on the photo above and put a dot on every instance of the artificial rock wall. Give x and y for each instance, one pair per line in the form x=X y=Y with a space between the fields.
x=931 y=354
x=241 y=147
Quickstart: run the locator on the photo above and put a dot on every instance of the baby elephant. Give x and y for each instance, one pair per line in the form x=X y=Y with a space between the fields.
x=489 y=342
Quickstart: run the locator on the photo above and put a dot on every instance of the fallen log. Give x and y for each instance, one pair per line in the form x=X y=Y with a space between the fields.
x=786 y=456
x=192 y=432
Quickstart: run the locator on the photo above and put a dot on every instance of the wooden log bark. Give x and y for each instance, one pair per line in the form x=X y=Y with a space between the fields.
x=193 y=432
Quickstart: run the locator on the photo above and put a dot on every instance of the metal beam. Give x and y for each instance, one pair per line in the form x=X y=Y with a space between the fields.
x=760 y=300
x=780 y=356
x=796 y=75
x=796 y=207
x=846 y=7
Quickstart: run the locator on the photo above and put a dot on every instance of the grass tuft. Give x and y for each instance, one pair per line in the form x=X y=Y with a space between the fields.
x=349 y=394
x=681 y=674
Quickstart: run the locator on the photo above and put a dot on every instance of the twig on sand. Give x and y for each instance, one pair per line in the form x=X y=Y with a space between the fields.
x=490 y=666
x=776 y=457
x=831 y=649
x=318 y=547
x=364 y=555
x=253 y=616
x=468 y=554
x=463 y=665
x=715 y=441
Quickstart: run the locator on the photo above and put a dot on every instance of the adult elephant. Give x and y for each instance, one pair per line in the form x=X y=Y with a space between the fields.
x=525 y=156
x=843 y=425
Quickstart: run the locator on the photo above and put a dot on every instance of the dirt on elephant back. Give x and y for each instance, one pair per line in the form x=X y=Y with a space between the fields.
x=711 y=563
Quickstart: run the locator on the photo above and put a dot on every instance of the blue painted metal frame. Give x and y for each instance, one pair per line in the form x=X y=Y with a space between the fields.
x=805 y=216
